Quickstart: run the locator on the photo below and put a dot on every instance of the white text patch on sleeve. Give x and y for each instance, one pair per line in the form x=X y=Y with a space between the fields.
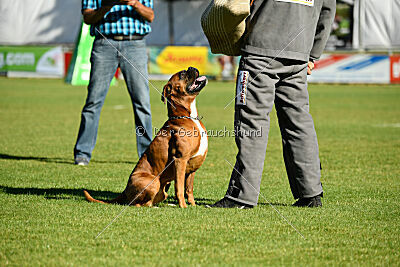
x=301 y=2
x=241 y=87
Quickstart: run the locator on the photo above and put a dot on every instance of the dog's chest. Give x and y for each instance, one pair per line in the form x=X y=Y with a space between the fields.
x=203 y=133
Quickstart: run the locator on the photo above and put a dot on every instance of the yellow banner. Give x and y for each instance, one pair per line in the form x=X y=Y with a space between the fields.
x=173 y=58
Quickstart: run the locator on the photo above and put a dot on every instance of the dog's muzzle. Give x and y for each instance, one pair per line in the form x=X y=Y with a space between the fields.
x=197 y=82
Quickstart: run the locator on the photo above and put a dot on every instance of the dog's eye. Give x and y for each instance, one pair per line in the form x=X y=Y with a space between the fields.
x=182 y=74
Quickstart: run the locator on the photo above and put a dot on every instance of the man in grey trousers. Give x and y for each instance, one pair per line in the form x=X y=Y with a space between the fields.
x=282 y=40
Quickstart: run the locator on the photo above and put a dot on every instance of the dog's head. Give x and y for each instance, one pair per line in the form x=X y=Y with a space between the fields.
x=183 y=87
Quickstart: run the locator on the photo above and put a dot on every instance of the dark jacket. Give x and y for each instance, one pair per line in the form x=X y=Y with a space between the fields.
x=288 y=29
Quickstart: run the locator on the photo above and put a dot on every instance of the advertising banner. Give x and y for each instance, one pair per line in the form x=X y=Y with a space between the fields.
x=169 y=59
x=352 y=68
x=79 y=69
x=395 y=69
x=32 y=60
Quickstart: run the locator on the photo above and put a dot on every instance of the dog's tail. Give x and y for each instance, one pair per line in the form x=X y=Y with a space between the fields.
x=121 y=199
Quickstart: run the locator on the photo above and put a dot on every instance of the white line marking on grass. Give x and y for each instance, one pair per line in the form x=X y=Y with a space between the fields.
x=119 y=107
x=269 y=203
x=388 y=125
x=116 y=217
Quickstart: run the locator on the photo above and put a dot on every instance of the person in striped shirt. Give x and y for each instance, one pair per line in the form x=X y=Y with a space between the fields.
x=119 y=28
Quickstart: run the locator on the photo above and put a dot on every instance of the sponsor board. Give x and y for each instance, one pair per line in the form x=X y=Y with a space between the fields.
x=26 y=61
x=395 y=69
x=48 y=61
x=170 y=59
x=331 y=68
x=79 y=69
x=356 y=68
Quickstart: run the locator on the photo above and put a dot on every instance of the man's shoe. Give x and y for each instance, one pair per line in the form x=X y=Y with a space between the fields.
x=309 y=202
x=229 y=203
x=81 y=161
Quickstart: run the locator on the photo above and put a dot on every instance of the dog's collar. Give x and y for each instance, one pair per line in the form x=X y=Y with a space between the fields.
x=185 y=117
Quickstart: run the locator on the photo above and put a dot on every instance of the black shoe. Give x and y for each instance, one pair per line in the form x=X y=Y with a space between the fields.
x=229 y=203
x=310 y=202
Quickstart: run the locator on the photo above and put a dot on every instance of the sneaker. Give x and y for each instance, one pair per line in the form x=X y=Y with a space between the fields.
x=310 y=202
x=229 y=203
x=81 y=161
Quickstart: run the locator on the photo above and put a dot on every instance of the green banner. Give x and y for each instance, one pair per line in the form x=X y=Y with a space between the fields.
x=79 y=68
x=48 y=60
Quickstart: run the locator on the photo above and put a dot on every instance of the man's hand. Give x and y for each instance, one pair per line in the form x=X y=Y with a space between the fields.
x=146 y=12
x=132 y=3
x=310 y=67
x=109 y=3
x=119 y=2
x=91 y=16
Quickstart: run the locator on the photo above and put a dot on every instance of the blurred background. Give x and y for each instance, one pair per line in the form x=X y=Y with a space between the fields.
x=46 y=38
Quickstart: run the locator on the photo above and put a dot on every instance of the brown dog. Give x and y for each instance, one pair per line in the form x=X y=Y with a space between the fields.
x=177 y=151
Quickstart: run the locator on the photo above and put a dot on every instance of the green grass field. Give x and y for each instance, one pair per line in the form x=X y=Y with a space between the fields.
x=45 y=220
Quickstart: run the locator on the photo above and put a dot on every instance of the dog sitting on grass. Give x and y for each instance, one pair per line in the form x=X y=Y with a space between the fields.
x=177 y=151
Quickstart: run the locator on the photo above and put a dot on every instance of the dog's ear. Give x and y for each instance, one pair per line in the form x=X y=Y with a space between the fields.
x=166 y=90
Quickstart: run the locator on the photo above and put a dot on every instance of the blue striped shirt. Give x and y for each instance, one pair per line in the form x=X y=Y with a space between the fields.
x=120 y=20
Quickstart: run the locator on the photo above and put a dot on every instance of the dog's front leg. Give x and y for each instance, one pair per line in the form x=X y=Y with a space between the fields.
x=189 y=188
x=180 y=169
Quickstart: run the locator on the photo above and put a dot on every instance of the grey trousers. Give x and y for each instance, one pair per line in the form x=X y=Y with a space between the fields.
x=261 y=82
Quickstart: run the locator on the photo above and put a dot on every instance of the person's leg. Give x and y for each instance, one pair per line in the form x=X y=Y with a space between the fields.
x=299 y=139
x=133 y=65
x=255 y=98
x=103 y=66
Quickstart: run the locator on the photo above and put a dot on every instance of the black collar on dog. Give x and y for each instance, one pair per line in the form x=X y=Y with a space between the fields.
x=185 y=117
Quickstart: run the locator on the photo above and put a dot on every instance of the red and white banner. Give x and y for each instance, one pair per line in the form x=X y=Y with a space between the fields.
x=356 y=68
x=395 y=69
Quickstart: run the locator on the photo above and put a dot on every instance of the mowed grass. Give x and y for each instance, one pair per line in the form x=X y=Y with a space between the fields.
x=45 y=220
